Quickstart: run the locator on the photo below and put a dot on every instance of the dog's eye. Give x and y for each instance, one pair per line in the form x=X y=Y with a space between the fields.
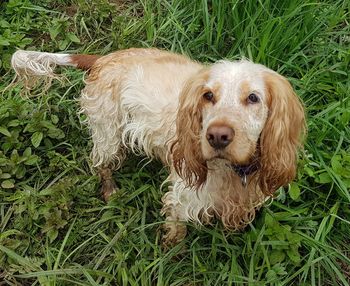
x=253 y=98
x=208 y=96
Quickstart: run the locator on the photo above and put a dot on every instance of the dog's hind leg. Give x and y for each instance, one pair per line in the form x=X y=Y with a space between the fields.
x=109 y=186
x=100 y=103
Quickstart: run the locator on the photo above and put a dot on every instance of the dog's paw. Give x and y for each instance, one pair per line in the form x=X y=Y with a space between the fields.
x=108 y=188
x=175 y=232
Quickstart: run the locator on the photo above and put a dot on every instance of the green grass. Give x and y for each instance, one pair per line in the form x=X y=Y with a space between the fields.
x=55 y=229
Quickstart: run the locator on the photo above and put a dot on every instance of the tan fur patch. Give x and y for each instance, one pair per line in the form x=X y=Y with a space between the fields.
x=245 y=90
x=84 y=62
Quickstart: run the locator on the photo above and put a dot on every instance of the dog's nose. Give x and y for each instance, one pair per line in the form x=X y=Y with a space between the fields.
x=219 y=136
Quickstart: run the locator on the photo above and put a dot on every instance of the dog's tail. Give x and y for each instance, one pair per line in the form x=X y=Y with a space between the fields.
x=30 y=65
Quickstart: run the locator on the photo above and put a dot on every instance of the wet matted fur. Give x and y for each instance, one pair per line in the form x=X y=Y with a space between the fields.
x=229 y=132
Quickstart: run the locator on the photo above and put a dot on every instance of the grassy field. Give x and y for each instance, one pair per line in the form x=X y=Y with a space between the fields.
x=54 y=227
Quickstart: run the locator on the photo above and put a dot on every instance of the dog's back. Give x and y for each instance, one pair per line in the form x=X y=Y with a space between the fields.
x=130 y=97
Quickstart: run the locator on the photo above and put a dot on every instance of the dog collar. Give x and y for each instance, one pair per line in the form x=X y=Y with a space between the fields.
x=244 y=170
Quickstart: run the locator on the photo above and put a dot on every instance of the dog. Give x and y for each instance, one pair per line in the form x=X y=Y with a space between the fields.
x=228 y=132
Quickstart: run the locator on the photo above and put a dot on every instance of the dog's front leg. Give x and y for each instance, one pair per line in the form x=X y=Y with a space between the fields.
x=180 y=205
x=176 y=218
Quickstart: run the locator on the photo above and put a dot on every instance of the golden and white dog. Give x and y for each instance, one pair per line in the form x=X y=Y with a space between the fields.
x=229 y=132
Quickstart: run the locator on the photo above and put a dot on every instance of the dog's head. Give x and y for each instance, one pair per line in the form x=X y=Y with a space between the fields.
x=241 y=112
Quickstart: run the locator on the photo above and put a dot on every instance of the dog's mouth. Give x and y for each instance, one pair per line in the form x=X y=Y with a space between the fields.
x=219 y=155
x=230 y=158
x=242 y=168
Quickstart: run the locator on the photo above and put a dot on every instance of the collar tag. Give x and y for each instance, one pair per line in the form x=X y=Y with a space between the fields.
x=243 y=171
x=244 y=180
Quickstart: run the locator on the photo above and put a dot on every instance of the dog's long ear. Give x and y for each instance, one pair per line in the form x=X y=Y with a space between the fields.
x=186 y=150
x=282 y=134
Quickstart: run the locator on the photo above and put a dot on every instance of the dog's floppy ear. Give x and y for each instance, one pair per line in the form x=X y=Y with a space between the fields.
x=186 y=151
x=282 y=134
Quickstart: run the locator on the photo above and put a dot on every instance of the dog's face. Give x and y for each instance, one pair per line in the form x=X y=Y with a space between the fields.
x=240 y=112
x=234 y=112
